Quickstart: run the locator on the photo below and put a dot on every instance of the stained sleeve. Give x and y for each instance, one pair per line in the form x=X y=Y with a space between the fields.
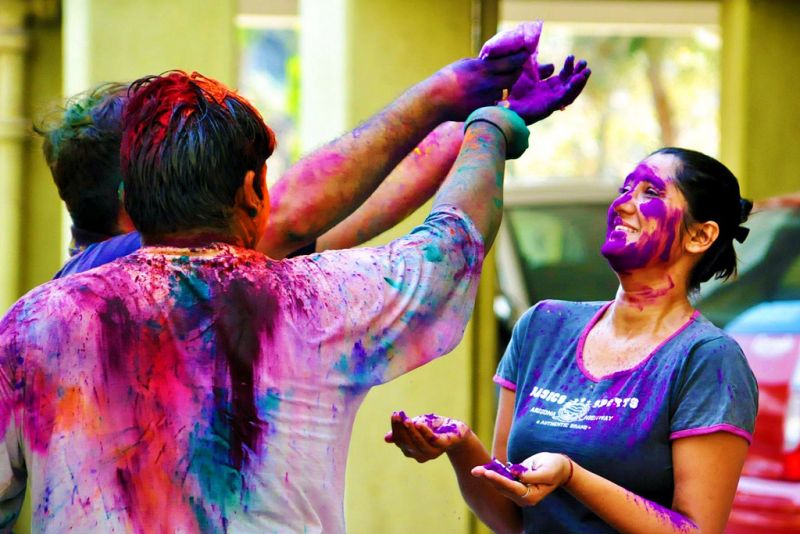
x=383 y=311
x=715 y=392
x=13 y=473
x=508 y=368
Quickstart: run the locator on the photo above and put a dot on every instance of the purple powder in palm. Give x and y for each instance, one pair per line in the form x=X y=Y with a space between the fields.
x=510 y=471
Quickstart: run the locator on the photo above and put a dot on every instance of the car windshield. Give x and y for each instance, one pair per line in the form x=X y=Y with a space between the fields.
x=559 y=251
x=769 y=268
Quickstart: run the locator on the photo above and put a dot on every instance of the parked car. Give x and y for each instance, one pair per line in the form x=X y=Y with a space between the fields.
x=549 y=248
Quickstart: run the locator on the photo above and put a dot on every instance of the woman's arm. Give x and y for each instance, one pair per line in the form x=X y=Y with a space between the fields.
x=706 y=471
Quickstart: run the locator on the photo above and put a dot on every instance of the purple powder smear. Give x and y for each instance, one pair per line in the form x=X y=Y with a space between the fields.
x=625 y=257
x=509 y=470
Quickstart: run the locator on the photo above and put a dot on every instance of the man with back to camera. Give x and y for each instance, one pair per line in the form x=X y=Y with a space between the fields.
x=197 y=385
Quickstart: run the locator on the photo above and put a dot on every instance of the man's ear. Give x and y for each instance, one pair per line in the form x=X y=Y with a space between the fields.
x=247 y=197
x=701 y=236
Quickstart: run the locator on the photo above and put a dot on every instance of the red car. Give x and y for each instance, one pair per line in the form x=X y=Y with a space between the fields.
x=768 y=498
x=761 y=310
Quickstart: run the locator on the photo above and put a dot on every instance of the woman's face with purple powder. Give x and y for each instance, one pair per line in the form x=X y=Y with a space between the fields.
x=644 y=221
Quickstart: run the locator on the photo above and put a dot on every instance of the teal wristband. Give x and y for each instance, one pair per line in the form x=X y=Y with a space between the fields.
x=511 y=125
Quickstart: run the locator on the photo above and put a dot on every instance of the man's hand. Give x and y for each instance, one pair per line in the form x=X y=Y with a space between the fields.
x=425 y=437
x=523 y=37
x=537 y=94
x=469 y=84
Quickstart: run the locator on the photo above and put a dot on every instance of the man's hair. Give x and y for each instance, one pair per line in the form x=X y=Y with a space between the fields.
x=81 y=147
x=187 y=143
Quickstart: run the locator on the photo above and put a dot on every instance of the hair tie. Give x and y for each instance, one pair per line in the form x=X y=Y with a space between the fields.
x=741 y=233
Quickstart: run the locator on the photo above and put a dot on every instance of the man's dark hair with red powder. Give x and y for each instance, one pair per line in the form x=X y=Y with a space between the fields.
x=81 y=147
x=187 y=143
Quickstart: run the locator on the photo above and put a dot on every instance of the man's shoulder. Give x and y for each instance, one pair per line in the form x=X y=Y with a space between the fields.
x=101 y=253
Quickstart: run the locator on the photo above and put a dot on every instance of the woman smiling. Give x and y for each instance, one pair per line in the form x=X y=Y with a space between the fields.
x=632 y=415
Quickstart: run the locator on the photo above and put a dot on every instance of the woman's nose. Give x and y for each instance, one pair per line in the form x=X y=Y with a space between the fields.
x=624 y=204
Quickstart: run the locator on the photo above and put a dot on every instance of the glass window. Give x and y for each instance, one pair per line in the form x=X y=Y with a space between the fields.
x=269 y=76
x=559 y=251
x=655 y=82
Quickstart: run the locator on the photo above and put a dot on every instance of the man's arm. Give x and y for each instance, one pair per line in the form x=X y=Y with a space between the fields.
x=325 y=187
x=407 y=187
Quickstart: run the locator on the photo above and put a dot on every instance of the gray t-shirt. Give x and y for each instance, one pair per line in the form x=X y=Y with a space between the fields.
x=618 y=426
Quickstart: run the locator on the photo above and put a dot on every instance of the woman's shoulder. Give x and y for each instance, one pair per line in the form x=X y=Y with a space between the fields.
x=560 y=312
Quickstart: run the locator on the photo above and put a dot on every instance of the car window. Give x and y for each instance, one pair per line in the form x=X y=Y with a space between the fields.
x=559 y=251
x=769 y=268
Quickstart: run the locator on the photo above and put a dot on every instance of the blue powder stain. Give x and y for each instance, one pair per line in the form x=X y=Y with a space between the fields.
x=395 y=284
x=222 y=485
x=368 y=368
x=433 y=253
x=271 y=402
x=342 y=364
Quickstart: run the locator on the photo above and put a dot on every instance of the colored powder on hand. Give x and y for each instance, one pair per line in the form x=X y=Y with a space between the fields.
x=498 y=467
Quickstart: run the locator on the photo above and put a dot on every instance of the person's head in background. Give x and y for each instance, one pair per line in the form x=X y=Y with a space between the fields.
x=81 y=147
x=193 y=161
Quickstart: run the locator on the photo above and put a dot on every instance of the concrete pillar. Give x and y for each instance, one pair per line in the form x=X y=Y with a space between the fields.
x=13 y=130
x=356 y=56
x=760 y=110
x=121 y=40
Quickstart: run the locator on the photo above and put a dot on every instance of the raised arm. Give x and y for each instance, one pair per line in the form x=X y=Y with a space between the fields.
x=407 y=187
x=535 y=96
x=323 y=188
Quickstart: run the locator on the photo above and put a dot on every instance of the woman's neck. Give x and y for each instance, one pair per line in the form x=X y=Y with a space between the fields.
x=650 y=301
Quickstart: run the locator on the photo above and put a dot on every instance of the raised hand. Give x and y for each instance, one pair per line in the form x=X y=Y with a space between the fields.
x=425 y=437
x=523 y=37
x=532 y=481
x=537 y=94
x=469 y=84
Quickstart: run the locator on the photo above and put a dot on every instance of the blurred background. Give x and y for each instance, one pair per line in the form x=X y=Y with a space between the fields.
x=718 y=76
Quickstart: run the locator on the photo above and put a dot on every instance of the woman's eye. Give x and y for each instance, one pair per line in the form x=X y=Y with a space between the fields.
x=653 y=192
x=624 y=189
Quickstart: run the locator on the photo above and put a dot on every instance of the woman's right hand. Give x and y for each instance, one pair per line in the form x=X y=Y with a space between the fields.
x=426 y=437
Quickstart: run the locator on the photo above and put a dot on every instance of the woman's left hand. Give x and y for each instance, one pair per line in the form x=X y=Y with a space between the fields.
x=545 y=472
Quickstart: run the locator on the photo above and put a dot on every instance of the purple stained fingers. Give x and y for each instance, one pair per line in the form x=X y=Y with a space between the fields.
x=509 y=470
x=523 y=37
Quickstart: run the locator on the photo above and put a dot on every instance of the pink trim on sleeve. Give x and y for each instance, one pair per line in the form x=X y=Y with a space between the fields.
x=505 y=383
x=724 y=427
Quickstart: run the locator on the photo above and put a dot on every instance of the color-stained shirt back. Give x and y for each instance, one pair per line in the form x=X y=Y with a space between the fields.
x=213 y=389
x=618 y=426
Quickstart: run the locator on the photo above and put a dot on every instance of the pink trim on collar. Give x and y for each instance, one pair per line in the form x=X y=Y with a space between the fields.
x=593 y=321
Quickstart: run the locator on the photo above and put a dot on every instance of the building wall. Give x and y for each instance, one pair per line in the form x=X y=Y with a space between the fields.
x=760 y=107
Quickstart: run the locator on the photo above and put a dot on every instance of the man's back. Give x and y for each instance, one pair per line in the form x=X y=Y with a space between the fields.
x=211 y=389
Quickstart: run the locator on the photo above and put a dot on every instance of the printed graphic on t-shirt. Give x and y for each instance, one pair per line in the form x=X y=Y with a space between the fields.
x=579 y=413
